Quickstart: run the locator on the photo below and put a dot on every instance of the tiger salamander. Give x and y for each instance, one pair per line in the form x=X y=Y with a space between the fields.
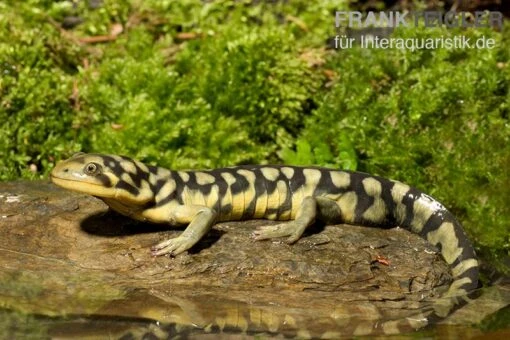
x=296 y=195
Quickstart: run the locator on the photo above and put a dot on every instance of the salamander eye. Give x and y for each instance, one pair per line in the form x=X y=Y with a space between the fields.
x=92 y=169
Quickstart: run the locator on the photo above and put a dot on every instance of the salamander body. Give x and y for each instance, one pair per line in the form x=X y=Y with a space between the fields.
x=297 y=196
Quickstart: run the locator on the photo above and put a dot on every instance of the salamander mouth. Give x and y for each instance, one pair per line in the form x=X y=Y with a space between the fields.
x=83 y=186
x=67 y=180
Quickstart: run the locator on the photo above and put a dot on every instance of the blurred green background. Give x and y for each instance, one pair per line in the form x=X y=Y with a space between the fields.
x=195 y=84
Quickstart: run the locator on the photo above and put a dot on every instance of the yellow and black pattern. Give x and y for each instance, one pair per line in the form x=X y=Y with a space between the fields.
x=297 y=195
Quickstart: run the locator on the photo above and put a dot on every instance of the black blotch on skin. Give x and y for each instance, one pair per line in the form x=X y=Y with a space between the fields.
x=408 y=201
x=153 y=169
x=177 y=193
x=220 y=181
x=225 y=209
x=222 y=186
x=433 y=223
x=270 y=211
x=386 y=187
x=270 y=186
x=464 y=243
x=139 y=176
x=326 y=183
x=113 y=165
x=173 y=195
x=365 y=201
x=298 y=179
x=472 y=273
x=157 y=186
x=285 y=205
x=105 y=180
x=193 y=185
x=240 y=185
x=259 y=187
x=129 y=188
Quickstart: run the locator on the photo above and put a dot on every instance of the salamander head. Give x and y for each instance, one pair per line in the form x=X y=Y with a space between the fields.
x=104 y=176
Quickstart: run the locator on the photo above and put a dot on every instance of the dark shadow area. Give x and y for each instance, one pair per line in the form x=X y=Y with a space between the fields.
x=113 y=224
x=207 y=241
x=315 y=228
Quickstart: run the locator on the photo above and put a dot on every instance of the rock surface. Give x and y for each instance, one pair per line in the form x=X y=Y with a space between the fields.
x=65 y=257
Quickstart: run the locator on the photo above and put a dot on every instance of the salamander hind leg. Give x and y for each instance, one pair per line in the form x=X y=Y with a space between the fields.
x=293 y=229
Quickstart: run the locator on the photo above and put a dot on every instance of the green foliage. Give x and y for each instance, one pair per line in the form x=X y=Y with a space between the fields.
x=34 y=88
x=346 y=157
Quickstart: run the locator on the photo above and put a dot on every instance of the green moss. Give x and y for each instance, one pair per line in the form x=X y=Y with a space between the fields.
x=182 y=119
x=35 y=86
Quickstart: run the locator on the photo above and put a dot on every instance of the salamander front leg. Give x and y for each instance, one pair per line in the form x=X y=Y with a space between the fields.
x=200 y=221
x=293 y=229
